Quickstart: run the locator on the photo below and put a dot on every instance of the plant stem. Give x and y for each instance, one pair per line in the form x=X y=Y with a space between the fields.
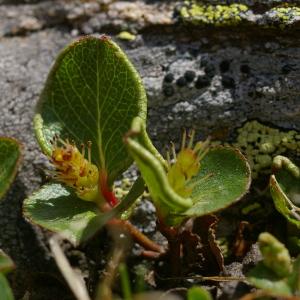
x=137 y=235
x=104 y=291
x=125 y=282
x=174 y=241
x=74 y=280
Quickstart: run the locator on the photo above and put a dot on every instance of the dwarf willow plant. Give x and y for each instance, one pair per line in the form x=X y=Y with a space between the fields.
x=91 y=123
x=10 y=156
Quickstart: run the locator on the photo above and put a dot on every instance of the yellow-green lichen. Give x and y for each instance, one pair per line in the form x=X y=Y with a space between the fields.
x=285 y=15
x=218 y=15
x=261 y=144
x=126 y=36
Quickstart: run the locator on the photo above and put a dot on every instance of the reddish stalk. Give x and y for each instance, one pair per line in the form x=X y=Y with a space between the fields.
x=137 y=236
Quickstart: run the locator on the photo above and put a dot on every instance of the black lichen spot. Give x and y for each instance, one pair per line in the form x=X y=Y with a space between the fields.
x=189 y=76
x=228 y=82
x=245 y=69
x=251 y=93
x=181 y=81
x=286 y=69
x=224 y=66
x=204 y=62
x=202 y=82
x=168 y=91
x=194 y=51
x=169 y=78
x=210 y=70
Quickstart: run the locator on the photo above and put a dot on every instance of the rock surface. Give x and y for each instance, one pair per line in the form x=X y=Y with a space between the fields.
x=211 y=78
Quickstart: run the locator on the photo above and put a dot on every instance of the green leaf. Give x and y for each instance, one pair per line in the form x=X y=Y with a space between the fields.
x=92 y=94
x=5 y=291
x=10 y=156
x=264 y=278
x=56 y=208
x=224 y=178
x=285 y=191
x=198 y=293
x=6 y=263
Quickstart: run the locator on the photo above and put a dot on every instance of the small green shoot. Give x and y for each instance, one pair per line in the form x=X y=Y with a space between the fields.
x=276 y=275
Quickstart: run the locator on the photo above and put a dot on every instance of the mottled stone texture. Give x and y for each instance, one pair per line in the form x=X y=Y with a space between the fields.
x=211 y=78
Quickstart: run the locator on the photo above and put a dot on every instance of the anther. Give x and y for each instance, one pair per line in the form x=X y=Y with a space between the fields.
x=173 y=151
x=168 y=158
x=89 y=144
x=82 y=149
x=191 y=136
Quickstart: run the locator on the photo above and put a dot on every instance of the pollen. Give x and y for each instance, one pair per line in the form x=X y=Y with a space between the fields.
x=73 y=169
x=182 y=167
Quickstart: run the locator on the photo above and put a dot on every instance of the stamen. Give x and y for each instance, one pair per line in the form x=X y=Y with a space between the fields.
x=63 y=142
x=89 y=144
x=82 y=149
x=183 y=142
x=201 y=154
x=173 y=151
x=202 y=146
x=191 y=141
x=168 y=158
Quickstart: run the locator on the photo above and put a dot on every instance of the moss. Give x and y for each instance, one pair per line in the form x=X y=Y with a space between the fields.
x=219 y=15
x=261 y=143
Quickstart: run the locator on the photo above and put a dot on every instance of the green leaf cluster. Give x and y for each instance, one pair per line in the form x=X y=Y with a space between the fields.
x=93 y=93
x=223 y=178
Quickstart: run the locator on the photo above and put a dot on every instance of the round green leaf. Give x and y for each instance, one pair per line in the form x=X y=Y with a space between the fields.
x=10 y=153
x=5 y=290
x=92 y=94
x=224 y=178
x=56 y=208
x=6 y=263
